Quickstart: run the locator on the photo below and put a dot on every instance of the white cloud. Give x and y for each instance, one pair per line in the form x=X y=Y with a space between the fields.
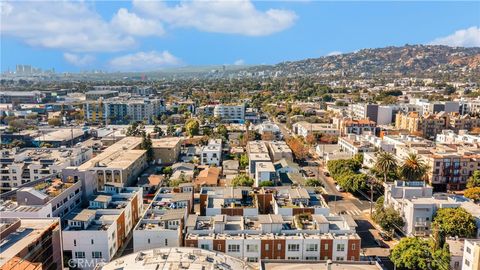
x=469 y=37
x=239 y=62
x=142 y=61
x=132 y=24
x=78 y=60
x=71 y=26
x=231 y=17
x=334 y=53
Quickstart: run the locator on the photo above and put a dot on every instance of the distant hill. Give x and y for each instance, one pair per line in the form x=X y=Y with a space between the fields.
x=409 y=60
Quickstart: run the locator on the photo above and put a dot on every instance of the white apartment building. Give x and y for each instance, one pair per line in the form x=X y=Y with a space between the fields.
x=471 y=254
x=450 y=137
x=95 y=234
x=309 y=237
x=279 y=150
x=230 y=113
x=233 y=201
x=212 y=153
x=257 y=151
x=264 y=171
x=292 y=201
x=18 y=167
x=304 y=129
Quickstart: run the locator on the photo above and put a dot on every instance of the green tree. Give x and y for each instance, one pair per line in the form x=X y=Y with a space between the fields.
x=55 y=121
x=474 y=180
x=222 y=131
x=266 y=184
x=455 y=222
x=147 y=145
x=243 y=162
x=242 y=180
x=170 y=130
x=386 y=163
x=167 y=170
x=472 y=193
x=411 y=253
x=158 y=130
x=388 y=218
x=352 y=182
x=313 y=182
x=135 y=129
x=207 y=131
x=413 y=168
x=192 y=127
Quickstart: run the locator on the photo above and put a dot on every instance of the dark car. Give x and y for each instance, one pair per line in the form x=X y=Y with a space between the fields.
x=385 y=236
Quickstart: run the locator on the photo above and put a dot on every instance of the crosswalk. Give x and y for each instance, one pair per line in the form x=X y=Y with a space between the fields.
x=353 y=212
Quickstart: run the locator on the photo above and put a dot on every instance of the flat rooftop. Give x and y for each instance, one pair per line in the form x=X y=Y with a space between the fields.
x=28 y=232
x=177 y=258
x=318 y=265
x=119 y=155
x=169 y=142
x=63 y=134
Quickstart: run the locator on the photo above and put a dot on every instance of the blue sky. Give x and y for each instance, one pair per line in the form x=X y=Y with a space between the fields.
x=141 y=35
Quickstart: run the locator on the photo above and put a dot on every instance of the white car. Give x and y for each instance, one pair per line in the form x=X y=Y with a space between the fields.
x=339 y=188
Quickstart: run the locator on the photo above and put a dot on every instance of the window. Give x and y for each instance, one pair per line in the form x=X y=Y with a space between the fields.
x=293 y=247
x=267 y=247
x=74 y=242
x=469 y=250
x=149 y=240
x=353 y=247
x=96 y=254
x=467 y=262
x=312 y=258
x=91 y=241
x=205 y=246
x=293 y=258
x=233 y=248
x=252 y=248
x=326 y=246
x=339 y=259
x=325 y=258
x=340 y=247
x=252 y=259
x=79 y=254
x=279 y=246
x=312 y=247
x=166 y=242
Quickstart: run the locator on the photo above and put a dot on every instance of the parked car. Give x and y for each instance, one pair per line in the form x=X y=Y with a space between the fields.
x=385 y=236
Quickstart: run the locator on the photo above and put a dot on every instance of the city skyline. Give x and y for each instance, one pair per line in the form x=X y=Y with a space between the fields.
x=143 y=36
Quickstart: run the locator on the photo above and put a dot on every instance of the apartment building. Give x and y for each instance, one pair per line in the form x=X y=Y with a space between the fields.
x=279 y=150
x=287 y=201
x=118 y=165
x=20 y=166
x=450 y=167
x=100 y=94
x=94 y=111
x=177 y=258
x=21 y=97
x=96 y=233
x=301 y=237
x=61 y=196
x=304 y=129
x=232 y=201
x=364 y=111
x=163 y=222
x=264 y=171
x=463 y=137
x=166 y=150
x=471 y=254
x=212 y=153
x=257 y=151
x=230 y=113
x=358 y=144
x=30 y=244
x=355 y=126
x=430 y=125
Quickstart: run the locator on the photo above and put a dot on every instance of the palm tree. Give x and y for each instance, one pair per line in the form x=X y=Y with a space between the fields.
x=413 y=168
x=386 y=163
